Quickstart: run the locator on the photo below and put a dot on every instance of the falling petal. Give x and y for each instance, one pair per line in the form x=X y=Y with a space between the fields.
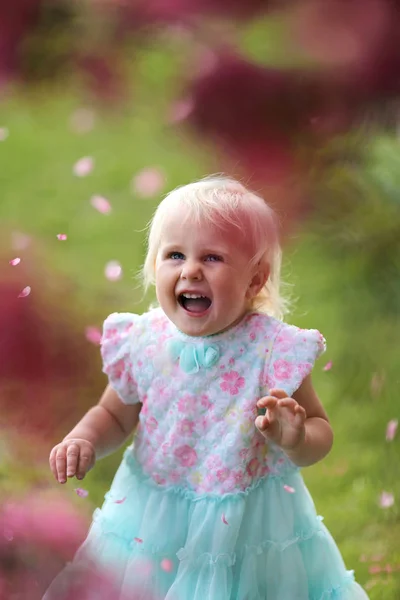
x=377 y=557
x=328 y=366
x=81 y=492
x=19 y=241
x=148 y=182
x=391 y=429
x=25 y=292
x=101 y=204
x=223 y=519
x=138 y=540
x=120 y=501
x=167 y=565
x=15 y=261
x=386 y=500
x=374 y=569
x=179 y=111
x=82 y=120
x=93 y=334
x=62 y=236
x=289 y=489
x=363 y=558
x=84 y=166
x=3 y=133
x=113 y=270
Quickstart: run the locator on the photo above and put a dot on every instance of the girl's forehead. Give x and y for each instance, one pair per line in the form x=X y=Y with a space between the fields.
x=178 y=230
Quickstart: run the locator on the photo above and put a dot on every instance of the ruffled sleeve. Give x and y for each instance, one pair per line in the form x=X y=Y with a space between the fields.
x=116 y=349
x=294 y=353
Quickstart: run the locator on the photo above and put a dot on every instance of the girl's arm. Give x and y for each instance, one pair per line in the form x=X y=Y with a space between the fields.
x=102 y=430
x=318 y=435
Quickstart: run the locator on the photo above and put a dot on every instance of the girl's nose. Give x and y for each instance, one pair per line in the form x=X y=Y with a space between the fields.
x=191 y=270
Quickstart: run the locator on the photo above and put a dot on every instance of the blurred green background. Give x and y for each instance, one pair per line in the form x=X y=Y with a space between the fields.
x=341 y=264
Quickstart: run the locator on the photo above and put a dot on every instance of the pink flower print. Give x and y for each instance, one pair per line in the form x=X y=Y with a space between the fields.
x=151 y=424
x=284 y=341
x=118 y=368
x=186 y=427
x=283 y=369
x=222 y=474
x=110 y=334
x=253 y=467
x=186 y=456
x=159 y=325
x=304 y=369
x=150 y=351
x=231 y=361
x=201 y=425
x=159 y=479
x=205 y=401
x=213 y=462
x=232 y=382
x=237 y=477
x=187 y=404
x=252 y=336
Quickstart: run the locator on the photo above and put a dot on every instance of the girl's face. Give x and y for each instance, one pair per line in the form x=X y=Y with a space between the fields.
x=204 y=282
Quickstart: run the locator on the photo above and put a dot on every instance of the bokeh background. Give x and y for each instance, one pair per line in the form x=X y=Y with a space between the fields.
x=105 y=105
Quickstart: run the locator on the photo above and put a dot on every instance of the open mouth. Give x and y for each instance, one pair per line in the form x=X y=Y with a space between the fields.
x=194 y=303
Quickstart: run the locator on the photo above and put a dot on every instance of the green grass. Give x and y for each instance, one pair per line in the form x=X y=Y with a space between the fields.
x=40 y=196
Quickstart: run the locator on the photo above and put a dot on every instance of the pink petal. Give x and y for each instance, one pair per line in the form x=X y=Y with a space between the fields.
x=19 y=241
x=179 y=111
x=167 y=565
x=289 y=489
x=223 y=519
x=25 y=292
x=138 y=540
x=328 y=366
x=82 y=120
x=93 y=334
x=148 y=182
x=120 y=501
x=113 y=270
x=373 y=569
x=14 y=262
x=101 y=204
x=61 y=236
x=391 y=429
x=386 y=500
x=81 y=492
x=83 y=166
x=3 y=133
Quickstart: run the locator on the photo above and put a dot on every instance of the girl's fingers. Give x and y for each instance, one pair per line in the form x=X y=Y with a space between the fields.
x=52 y=462
x=278 y=393
x=60 y=465
x=267 y=402
x=85 y=460
x=262 y=423
x=72 y=459
x=288 y=403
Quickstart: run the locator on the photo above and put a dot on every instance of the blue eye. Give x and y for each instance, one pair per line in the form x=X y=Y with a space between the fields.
x=214 y=258
x=176 y=255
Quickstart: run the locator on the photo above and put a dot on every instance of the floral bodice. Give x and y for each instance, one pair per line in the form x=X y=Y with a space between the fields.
x=199 y=395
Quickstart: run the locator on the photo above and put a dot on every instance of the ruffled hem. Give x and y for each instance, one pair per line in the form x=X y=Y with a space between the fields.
x=268 y=544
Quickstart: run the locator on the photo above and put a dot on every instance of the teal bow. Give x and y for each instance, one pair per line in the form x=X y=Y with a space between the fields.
x=191 y=357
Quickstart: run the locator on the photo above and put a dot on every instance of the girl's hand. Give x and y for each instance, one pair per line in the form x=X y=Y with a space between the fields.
x=71 y=457
x=283 y=423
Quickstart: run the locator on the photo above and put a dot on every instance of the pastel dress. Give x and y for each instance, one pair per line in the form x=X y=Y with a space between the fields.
x=201 y=507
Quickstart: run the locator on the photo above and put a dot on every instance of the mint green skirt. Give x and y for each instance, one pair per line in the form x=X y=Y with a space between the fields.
x=160 y=543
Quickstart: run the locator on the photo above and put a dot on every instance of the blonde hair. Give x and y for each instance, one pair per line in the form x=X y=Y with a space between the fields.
x=223 y=201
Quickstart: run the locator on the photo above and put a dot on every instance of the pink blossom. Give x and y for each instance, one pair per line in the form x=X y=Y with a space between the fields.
x=222 y=474
x=284 y=341
x=186 y=455
x=391 y=430
x=186 y=426
x=213 y=462
x=232 y=382
x=187 y=403
x=151 y=424
x=283 y=369
x=205 y=401
x=159 y=479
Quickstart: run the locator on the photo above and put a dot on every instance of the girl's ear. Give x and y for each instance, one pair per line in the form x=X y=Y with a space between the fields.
x=259 y=279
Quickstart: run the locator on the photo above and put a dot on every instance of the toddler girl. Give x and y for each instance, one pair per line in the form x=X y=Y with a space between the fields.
x=209 y=503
